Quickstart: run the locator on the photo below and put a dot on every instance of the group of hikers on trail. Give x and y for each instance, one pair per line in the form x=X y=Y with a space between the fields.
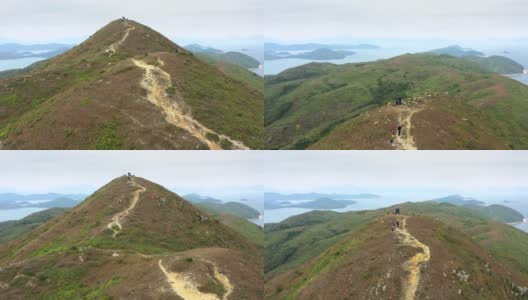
x=395 y=133
x=398 y=131
x=397 y=223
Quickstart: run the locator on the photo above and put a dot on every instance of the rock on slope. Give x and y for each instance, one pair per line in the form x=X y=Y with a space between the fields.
x=128 y=87
x=132 y=240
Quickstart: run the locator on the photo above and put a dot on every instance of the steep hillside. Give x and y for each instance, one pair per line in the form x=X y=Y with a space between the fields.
x=300 y=241
x=237 y=71
x=132 y=238
x=421 y=259
x=234 y=208
x=10 y=230
x=448 y=103
x=128 y=87
x=494 y=63
x=499 y=213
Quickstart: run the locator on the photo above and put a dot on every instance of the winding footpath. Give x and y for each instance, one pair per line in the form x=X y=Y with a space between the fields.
x=413 y=265
x=112 y=49
x=406 y=140
x=115 y=224
x=156 y=81
x=184 y=287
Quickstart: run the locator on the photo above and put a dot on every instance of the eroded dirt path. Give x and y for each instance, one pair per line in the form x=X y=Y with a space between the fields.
x=413 y=265
x=184 y=287
x=112 y=49
x=156 y=81
x=406 y=141
x=115 y=223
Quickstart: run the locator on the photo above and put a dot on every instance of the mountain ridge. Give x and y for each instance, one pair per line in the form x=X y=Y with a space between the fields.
x=132 y=237
x=130 y=88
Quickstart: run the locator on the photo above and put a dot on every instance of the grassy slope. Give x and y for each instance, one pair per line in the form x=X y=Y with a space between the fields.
x=236 y=72
x=305 y=104
x=358 y=262
x=247 y=229
x=499 y=213
x=10 y=230
x=71 y=84
x=234 y=208
x=298 y=239
x=165 y=225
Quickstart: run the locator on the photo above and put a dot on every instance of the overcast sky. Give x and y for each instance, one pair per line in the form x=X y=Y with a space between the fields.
x=468 y=19
x=67 y=20
x=467 y=172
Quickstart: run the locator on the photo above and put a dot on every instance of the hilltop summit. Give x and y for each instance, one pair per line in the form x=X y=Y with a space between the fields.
x=129 y=87
x=132 y=237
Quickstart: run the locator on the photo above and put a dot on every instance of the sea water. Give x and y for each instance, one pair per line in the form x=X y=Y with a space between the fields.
x=17 y=213
x=272 y=67
x=280 y=214
x=9 y=64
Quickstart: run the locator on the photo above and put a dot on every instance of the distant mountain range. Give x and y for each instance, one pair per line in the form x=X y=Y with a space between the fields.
x=197 y=198
x=48 y=196
x=315 y=46
x=458 y=200
x=496 y=212
x=233 y=57
x=321 y=203
x=217 y=207
x=14 y=201
x=494 y=63
x=317 y=54
x=16 y=51
x=270 y=196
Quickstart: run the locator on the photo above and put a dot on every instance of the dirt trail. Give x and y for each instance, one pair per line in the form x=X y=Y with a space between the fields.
x=116 y=218
x=112 y=49
x=156 y=81
x=184 y=287
x=413 y=265
x=406 y=141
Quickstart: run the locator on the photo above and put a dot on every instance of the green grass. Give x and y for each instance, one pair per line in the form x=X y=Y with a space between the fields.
x=69 y=284
x=304 y=104
x=109 y=138
x=8 y=99
x=296 y=240
x=4 y=132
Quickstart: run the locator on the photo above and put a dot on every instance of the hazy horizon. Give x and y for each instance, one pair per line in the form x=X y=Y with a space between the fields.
x=72 y=22
x=472 y=19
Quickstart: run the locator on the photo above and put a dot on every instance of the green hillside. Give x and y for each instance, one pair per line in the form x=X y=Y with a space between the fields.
x=131 y=238
x=234 y=70
x=10 y=230
x=298 y=239
x=454 y=104
x=234 y=208
x=129 y=87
